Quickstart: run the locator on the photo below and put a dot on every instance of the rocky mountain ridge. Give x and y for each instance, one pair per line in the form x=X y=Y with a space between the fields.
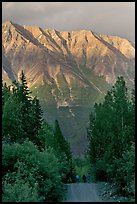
x=68 y=71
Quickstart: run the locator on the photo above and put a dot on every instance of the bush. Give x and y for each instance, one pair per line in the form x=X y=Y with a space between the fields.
x=122 y=171
x=34 y=166
x=19 y=190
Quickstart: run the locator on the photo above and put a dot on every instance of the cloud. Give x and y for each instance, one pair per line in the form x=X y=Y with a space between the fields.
x=112 y=18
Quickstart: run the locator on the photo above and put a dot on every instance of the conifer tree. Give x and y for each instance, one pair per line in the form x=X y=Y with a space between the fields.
x=90 y=135
x=36 y=119
x=5 y=93
x=11 y=120
x=26 y=112
x=60 y=141
x=111 y=133
x=23 y=95
x=61 y=145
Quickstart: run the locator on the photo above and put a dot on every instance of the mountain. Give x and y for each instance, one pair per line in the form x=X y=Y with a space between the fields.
x=68 y=71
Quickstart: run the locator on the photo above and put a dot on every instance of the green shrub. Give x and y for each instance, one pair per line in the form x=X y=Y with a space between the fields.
x=35 y=167
x=122 y=171
x=17 y=189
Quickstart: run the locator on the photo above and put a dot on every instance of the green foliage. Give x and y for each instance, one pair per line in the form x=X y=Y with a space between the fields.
x=24 y=164
x=82 y=166
x=122 y=171
x=111 y=132
x=22 y=115
x=60 y=142
x=20 y=190
x=45 y=136
x=11 y=120
x=54 y=139
x=36 y=160
x=5 y=92
x=61 y=146
x=30 y=110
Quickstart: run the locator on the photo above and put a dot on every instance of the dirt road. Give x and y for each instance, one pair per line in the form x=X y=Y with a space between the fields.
x=82 y=192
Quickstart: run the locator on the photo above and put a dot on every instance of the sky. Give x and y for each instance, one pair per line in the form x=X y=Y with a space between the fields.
x=110 y=18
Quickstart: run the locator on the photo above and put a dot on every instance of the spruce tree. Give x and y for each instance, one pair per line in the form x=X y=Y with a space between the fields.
x=36 y=119
x=24 y=98
x=5 y=93
x=20 y=110
x=60 y=141
x=11 y=120
x=111 y=133
x=90 y=135
x=62 y=146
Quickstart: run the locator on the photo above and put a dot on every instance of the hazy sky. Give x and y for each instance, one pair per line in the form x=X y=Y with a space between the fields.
x=110 y=18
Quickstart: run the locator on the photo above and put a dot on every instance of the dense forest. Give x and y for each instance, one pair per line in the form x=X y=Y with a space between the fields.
x=36 y=159
x=111 y=135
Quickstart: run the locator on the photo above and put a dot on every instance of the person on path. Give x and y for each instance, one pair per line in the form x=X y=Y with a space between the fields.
x=77 y=178
x=84 y=178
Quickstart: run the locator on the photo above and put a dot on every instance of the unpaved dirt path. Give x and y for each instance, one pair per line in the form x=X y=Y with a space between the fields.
x=82 y=192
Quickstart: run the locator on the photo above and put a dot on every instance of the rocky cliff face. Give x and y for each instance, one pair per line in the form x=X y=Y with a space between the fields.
x=68 y=71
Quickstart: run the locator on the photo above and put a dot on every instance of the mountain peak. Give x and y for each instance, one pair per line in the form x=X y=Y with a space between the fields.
x=7 y=24
x=74 y=48
x=67 y=71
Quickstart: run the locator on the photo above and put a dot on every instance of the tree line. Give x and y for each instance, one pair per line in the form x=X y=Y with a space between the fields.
x=111 y=135
x=36 y=158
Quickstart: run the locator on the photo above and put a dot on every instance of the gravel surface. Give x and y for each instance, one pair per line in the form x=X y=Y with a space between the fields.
x=92 y=192
x=82 y=192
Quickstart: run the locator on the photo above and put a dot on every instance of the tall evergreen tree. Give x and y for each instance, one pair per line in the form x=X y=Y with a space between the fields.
x=36 y=119
x=26 y=112
x=23 y=95
x=5 y=93
x=11 y=120
x=111 y=133
x=62 y=146
x=60 y=141
x=90 y=135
